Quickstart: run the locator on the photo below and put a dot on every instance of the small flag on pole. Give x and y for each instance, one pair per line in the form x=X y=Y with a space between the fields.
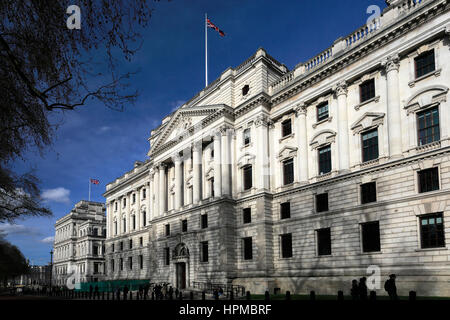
x=213 y=26
x=95 y=181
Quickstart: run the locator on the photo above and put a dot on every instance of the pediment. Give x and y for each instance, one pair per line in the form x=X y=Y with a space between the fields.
x=426 y=97
x=184 y=121
x=246 y=159
x=287 y=151
x=322 y=137
x=368 y=120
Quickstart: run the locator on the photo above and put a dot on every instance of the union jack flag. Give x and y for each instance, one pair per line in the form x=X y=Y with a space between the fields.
x=213 y=26
x=95 y=181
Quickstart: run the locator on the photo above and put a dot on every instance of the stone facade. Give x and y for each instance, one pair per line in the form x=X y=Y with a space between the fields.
x=78 y=250
x=302 y=179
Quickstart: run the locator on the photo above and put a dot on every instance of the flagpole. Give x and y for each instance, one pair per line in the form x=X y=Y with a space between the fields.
x=206 y=50
x=89 y=189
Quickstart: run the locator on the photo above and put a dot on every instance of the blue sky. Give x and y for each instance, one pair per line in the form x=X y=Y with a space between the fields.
x=97 y=142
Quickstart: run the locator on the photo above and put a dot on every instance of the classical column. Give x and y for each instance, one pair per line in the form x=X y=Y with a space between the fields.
x=217 y=164
x=302 y=142
x=196 y=176
x=343 y=151
x=162 y=188
x=226 y=160
x=178 y=181
x=262 y=167
x=393 y=106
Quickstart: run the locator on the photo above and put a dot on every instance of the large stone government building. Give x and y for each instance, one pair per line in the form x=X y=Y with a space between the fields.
x=302 y=179
x=78 y=250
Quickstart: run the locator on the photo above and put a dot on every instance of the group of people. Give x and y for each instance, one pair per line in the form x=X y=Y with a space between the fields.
x=359 y=290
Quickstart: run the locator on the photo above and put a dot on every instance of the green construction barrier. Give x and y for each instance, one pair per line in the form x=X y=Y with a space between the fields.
x=111 y=285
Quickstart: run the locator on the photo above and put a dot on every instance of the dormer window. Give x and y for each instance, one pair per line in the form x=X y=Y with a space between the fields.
x=245 y=90
x=286 y=128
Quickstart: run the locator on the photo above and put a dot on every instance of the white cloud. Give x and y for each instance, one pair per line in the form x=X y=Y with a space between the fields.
x=10 y=229
x=56 y=195
x=104 y=129
x=50 y=239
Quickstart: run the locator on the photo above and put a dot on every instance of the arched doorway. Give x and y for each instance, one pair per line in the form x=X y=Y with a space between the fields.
x=180 y=257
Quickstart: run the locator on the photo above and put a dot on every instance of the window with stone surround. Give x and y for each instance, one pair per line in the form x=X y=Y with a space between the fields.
x=432 y=231
x=134 y=198
x=141 y=262
x=115 y=206
x=288 y=171
x=428 y=126
x=247 y=137
x=370 y=233
x=324 y=159
x=144 y=193
x=367 y=90
x=322 y=111
x=144 y=218
x=286 y=245
x=167 y=228
x=184 y=225
x=167 y=256
x=121 y=264
x=247 y=215
x=428 y=180
x=124 y=202
x=247 y=177
x=141 y=241
x=211 y=186
x=286 y=128
x=324 y=242
x=131 y=243
x=424 y=63
x=369 y=142
x=115 y=227
x=112 y=265
x=248 y=248
x=112 y=247
x=322 y=202
x=133 y=220
x=130 y=263
x=285 y=210
x=121 y=245
x=204 y=221
x=368 y=192
x=124 y=222
x=204 y=251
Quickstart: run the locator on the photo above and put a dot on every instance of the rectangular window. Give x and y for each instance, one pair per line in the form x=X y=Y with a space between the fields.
x=370 y=233
x=124 y=225
x=286 y=128
x=286 y=245
x=95 y=268
x=204 y=221
x=247 y=177
x=322 y=111
x=115 y=227
x=288 y=171
x=324 y=160
x=112 y=247
x=144 y=193
x=248 y=248
x=247 y=215
x=247 y=137
x=130 y=263
x=367 y=90
x=134 y=222
x=121 y=264
x=368 y=192
x=134 y=198
x=428 y=180
x=131 y=243
x=212 y=187
x=141 y=241
x=285 y=209
x=324 y=242
x=370 y=145
x=112 y=265
x=184 y=225
x=167 y=256
x=432 y=231
x=115 y=206
x=424 y=63
x=95 y=250
x=322 y=202
x=167 y=226
x=204 y=257
x=428 y=126
x=144 y=218
x=121 y=245
x=141 y=262
x=124 y=202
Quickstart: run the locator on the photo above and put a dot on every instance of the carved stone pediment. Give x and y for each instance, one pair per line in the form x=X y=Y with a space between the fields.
x=321 y=138
x=367 y=121
x=287 y=152
x=246 y=159
x=426 y=97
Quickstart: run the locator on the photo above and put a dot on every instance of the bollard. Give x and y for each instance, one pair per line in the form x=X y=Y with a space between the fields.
x=248 y=296
x=203 y=295
x=231 y=294
x=266 y=296
x=340 y=296
x=191 y=295
x=412 y=296
x=312 y=295
x=288 y=295
x=180 y=297
x=373 y=296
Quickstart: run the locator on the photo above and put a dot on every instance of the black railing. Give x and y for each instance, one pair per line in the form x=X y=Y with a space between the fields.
x=210 y=287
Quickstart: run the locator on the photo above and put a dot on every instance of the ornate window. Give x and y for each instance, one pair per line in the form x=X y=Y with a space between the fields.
x=369 y=145
x=247 y=137
x=286 y=128
x=424 y=63
x=428 y=126
x=367 y=90
x=324 y=159
x=288 y=171
x=247 y=177
x=322 y=111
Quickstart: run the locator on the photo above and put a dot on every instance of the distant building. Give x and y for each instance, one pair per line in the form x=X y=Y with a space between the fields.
x=38 y=276
x=79 y=244
x=302 y=179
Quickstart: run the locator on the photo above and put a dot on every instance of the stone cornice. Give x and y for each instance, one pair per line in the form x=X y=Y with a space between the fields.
x=386 y=35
